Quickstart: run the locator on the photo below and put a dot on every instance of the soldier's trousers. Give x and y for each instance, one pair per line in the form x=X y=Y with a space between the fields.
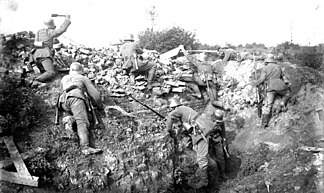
x=49 y=69
x=217 y=154
x=213 y=182
x=285 y=94
x=77 y=108
x=196 y=81
x=147 y=68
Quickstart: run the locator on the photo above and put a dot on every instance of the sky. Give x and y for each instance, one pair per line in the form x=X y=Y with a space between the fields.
x=99 y=23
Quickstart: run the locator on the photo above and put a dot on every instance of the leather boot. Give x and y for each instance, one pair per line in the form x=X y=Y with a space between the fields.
x=265 y=120
x=37 y=84
x=195 y=88
x=89 y=150
x=200 y=180
x=222 y=173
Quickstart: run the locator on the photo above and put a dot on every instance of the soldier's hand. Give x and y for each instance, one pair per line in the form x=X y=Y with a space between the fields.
x=172 y=133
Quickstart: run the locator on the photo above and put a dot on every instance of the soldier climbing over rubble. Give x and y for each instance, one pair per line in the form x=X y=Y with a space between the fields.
x=205 y=75
x=74 y=101
x=134 y=63
x=275 y=84
x=198 y=126
x=43 y=53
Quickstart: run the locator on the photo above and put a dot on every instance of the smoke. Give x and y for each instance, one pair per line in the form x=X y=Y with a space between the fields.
x=12 y=5
x=8 y=10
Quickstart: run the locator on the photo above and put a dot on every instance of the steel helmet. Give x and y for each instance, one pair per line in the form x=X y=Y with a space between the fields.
x=174 y=102
x=129 y=38
x=219 y=115
x=270 y=58
x=76 y=68
x=50 y=23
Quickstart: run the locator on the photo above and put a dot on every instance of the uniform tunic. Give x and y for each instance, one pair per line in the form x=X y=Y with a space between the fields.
x=128 y=51
x=187 y=114
x=45 y=53
x=205 y=72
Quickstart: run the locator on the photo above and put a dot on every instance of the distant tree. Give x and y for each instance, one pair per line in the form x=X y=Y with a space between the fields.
x=168 y=39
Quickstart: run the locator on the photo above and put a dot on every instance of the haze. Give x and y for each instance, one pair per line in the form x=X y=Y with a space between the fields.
x=98 y=23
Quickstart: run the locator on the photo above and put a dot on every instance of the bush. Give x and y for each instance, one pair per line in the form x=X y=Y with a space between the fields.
x=19 y=107
x=168 y=39
x=311 y=56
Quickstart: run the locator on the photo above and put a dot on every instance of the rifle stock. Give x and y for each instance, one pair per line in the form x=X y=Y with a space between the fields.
x=57 y=116
x=91 y=109
x=260 y=100
x=258 y=91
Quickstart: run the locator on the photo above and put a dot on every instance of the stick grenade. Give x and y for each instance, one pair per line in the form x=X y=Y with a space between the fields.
x=57 y=15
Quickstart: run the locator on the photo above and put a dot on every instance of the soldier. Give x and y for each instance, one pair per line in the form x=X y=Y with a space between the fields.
x=205 y=75
x=276 y=84
x=228 y=54
x=198 y=126
x=218 y=142
x=73 y=100
x=44 y=52
x=134 y=63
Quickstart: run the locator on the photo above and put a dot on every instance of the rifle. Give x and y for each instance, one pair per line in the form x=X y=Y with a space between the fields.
x=57 y=111
x=204 y=51
x=91 y=108
x=258 y=90
x=225 y=147
x=259 y=100
x=157 y=113
x=135 y=60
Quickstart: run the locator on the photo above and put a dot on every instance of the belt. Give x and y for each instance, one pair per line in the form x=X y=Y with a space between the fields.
x=70 y=88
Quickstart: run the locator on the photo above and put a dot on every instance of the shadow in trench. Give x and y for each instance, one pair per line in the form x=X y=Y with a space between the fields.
x=232 y=166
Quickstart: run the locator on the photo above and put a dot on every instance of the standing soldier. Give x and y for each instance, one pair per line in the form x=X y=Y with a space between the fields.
x=218 y=142
x=44 y=52
x=205 y=75
x=134 y=63
x=275 y=83
x=74 y=100
x=198 y=126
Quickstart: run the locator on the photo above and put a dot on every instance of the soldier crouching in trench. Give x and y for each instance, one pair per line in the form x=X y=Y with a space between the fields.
x=73 y=100
x=199 y=126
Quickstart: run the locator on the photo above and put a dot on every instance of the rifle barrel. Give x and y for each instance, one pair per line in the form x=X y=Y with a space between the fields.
x=161 y=116
x=206 y=51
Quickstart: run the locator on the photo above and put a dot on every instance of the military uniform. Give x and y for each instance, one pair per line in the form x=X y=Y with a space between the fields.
x=275 y=84
x=228 y=54
x=205 y=75
x=216 y=150
x=200 y=145
x=73 y=101
x=44 y=54
x=135 y=63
